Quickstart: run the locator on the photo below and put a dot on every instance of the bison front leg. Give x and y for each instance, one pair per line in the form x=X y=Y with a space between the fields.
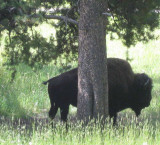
x=64 y=112
x=115 y=119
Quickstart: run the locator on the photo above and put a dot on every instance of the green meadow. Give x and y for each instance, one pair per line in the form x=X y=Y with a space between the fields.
x=24 y=106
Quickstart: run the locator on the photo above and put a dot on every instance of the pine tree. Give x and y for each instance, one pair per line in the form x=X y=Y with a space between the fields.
x=132 y=21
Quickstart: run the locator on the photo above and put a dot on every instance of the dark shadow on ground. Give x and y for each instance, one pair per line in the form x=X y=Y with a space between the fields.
x=124 y=118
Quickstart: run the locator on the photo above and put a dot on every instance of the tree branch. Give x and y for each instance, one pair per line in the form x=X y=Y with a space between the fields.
x=52 y=10
x=64 y=18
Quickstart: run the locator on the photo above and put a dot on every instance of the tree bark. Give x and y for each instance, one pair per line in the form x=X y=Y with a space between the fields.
x=92 y=69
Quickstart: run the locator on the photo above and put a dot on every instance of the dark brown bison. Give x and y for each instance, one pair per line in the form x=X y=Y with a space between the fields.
x=126 y=90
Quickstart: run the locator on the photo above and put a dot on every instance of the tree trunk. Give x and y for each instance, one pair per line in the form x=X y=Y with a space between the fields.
x=92 y=70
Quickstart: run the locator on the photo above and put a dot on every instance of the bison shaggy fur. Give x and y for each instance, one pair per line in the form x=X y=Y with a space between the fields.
x=126 y=89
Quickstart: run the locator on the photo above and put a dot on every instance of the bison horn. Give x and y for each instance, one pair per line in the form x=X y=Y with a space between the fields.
x=146 y=82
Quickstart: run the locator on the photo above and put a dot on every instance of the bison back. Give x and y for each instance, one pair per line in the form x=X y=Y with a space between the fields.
x=120 y=76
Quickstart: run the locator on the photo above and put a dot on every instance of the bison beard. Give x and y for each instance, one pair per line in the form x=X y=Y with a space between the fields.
x=126 y=90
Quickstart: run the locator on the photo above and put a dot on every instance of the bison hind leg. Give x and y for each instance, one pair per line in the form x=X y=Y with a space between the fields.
x=52 y=112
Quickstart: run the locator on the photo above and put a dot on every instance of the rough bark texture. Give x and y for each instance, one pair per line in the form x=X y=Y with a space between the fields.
x=92 y=70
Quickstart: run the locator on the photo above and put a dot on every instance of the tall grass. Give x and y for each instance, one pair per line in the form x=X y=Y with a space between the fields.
x=133 y=134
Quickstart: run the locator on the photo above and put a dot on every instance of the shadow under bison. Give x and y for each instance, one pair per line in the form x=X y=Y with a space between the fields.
x=126 y=90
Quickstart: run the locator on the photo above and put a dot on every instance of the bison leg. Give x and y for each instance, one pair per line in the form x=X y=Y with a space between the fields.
x=52 y=112
x=114 y=119
x=64 y=112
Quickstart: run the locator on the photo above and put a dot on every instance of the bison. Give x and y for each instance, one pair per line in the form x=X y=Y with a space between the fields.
x=126 y=90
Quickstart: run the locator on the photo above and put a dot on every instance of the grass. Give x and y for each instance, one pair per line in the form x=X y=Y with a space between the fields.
x=130 y=134
x=24 y=106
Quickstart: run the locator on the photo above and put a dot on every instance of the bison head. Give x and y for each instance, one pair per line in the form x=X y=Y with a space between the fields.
x=142 y=92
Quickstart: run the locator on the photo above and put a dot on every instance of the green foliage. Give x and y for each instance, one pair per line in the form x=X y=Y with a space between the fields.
x=67 y=36
x=132 y=21
x=31 y=49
